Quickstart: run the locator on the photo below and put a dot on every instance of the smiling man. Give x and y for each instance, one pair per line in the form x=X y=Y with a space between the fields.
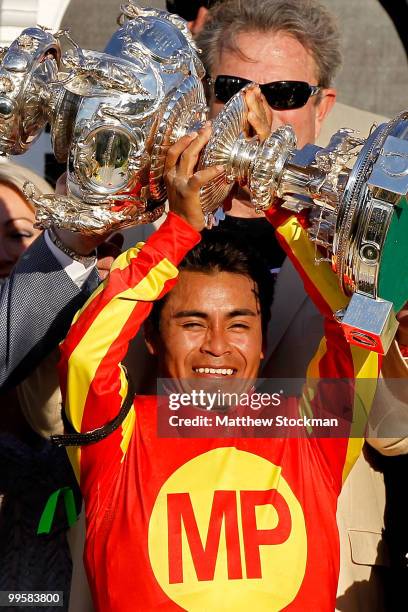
x=211 y=323
x=209 y=327
x=201 y=523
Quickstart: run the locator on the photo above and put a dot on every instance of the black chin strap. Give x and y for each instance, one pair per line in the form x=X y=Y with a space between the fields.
x=90 y=437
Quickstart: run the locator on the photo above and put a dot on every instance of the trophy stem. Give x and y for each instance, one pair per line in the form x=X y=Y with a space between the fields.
x=241 y=159
x=311 y=184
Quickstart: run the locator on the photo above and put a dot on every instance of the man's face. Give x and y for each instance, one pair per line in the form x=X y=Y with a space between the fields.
x=210 y=328
x=268 y=57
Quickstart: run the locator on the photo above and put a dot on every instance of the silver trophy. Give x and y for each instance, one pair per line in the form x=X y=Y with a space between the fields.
x=358 y=216
x=113 y=116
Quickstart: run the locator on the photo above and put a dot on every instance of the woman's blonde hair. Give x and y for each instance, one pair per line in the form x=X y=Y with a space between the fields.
x=15 y=176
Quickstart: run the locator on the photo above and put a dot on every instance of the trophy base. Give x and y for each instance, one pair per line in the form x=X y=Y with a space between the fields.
x=369 y=323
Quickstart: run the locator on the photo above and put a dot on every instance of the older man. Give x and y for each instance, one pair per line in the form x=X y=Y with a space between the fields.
x=292 y=49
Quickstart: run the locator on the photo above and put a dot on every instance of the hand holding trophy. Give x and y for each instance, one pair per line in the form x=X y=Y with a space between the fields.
x=113 y=116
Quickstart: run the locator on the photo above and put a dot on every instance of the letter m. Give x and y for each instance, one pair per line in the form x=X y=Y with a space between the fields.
x=180 y=511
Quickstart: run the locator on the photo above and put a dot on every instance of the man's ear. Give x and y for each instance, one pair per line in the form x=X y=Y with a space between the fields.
x=197 y=25
x=150 y=338
x=323 y=108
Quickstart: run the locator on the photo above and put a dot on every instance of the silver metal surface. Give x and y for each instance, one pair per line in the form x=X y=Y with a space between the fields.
x=27 y=68
x=230 y=131
x=113 y=115
x=349 y=209
x=185 y=109
x=369 y=323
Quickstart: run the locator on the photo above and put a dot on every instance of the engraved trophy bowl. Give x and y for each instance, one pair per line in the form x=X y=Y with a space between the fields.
x=112 y=115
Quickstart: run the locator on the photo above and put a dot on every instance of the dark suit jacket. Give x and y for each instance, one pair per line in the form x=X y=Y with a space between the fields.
x=37 y=303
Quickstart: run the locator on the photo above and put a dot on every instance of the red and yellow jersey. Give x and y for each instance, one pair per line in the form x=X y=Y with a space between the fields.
x=201 y=524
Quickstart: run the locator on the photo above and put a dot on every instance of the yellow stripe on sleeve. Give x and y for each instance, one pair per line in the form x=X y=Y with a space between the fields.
x=125 y=259
x=365 y=372
x=120 y=263
x=321 y=275
x=94 y=345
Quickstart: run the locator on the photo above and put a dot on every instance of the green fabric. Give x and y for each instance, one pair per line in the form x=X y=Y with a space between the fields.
x=47 y=517
x=393 y=274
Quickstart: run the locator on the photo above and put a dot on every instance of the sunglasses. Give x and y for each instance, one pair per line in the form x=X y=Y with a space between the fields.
x=280 y=95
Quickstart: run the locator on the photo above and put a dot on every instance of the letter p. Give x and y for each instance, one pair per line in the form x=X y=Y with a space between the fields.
x=254 y=537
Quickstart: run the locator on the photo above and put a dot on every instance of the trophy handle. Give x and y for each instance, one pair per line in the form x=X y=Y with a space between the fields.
x=27 y=68
x=71 y=213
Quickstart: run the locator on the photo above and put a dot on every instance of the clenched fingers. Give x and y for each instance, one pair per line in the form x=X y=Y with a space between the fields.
x=174 y=152
x=202 y=177
x=190 y=155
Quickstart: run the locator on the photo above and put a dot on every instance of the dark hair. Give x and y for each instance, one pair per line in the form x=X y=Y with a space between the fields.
x=187 y=9
x=224 y=251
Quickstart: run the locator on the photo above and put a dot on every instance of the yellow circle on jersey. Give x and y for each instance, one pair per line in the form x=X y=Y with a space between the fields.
x=217 y=543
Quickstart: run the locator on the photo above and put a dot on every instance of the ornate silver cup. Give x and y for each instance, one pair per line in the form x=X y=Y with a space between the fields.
x=113 y=116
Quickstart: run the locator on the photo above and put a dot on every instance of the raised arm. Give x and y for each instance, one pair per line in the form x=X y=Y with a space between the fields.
x=93 y=381
x=334 y=358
